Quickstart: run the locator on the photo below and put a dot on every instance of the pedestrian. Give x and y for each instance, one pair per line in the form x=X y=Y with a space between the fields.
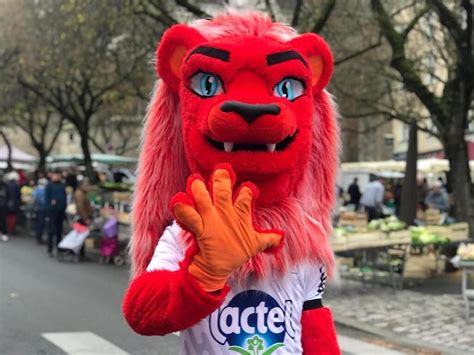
x=71 y=179
x=354 y=193
x=397 y=196
x=84 y=208
x=422 y=191
x=13 y=202
x=372 y=198
x=3 y=207
x=55 y=196
x=39 y=208
x=438 y=198
x=83 y=205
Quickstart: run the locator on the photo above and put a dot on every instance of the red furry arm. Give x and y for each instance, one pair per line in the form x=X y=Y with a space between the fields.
x=318 y=332
x=160 y=302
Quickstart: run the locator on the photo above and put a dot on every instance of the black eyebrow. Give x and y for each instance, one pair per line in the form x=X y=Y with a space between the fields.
x=211 y=52
x=280 y=57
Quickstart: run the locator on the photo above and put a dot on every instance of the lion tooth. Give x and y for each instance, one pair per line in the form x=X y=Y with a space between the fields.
x=271 y=147
x=228 y=146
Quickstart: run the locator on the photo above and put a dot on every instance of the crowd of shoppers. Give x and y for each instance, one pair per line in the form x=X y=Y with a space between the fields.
x=49 y=200
x=379 y=193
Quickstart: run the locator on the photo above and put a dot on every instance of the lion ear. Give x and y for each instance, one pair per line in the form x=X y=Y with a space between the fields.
x=319 y=57
x=171 y=52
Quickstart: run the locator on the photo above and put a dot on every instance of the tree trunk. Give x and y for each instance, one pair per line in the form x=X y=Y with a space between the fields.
x=87 y=155
x=9 y=149
x=459 y=174
x=409 y=196
x=41 y=167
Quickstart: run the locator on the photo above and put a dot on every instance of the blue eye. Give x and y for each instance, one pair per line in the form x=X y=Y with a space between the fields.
x=289 y=89
x=206 y=84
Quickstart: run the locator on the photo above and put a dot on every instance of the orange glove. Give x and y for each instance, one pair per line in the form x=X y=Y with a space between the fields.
x=224 y=231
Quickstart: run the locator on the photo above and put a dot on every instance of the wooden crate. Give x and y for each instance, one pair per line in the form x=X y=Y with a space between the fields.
x=338 y=243
x=421 y=266
x=456 y=232
x=399 y=237
x=459 y=232
x=366 y=240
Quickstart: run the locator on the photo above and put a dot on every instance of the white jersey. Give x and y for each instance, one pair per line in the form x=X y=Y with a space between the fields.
x=264 y=316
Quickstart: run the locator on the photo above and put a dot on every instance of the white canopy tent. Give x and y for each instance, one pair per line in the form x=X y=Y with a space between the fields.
x=429 y=168
x=20 y=159
x=424 y=166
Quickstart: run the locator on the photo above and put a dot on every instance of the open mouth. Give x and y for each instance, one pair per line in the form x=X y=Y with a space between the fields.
x=229 y=147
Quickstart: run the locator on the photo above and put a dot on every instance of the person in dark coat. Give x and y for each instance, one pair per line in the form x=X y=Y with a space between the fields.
x=354 y=193
x=56 y=203
x=3 y=207
x=13 y=202
x=39 y=207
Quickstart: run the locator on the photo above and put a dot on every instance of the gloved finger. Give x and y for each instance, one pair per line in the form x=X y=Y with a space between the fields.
x=188 y=217
x=221 y=183
x=197 y=189
x=246 y=194
x=269 y=239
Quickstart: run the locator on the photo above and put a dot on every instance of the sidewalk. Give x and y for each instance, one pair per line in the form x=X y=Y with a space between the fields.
x=413 y=318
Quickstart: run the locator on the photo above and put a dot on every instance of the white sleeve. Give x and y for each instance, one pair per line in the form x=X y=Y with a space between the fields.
x=314 y=282
x=168 y=252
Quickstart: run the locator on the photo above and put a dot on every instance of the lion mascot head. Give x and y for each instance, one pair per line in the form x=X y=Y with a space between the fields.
x=243 y=90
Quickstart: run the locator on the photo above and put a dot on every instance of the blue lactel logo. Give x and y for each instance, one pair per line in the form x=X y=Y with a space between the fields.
x=252 y=323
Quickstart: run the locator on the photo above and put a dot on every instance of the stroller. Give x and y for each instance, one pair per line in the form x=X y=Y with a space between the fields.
x=109 y=245
x=69 y=248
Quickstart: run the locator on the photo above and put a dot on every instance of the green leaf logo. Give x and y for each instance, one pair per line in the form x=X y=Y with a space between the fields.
x=255 y=347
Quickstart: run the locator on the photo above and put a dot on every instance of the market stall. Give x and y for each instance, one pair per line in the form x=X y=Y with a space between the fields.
x=386 y=250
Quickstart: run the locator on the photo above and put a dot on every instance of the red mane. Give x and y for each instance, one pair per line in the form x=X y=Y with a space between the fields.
x=304 y=216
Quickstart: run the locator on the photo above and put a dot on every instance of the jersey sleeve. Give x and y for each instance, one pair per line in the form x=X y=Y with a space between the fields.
x=168 y=252
x=314 y=282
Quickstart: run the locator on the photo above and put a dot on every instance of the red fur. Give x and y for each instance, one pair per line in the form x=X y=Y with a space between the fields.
x=182 y=36
x=302 y=211
x=309 y=43
x=318 y=333
x=161 y=302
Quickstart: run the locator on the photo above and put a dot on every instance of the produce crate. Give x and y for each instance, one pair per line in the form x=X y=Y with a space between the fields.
x=399 y=237
x=338 y=243
x=421 y=266
x=366 y=240
x=354 y=219
x=432 y=216
x=456 y=232
x=459 y=231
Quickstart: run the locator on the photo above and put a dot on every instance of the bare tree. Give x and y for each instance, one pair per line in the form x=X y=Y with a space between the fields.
x=78 y=57
x=447 y=98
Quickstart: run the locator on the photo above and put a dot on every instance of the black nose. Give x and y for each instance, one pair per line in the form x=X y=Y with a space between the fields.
x=250 y=112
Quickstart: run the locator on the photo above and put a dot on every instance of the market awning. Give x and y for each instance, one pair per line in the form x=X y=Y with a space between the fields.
x=423 y=165
x=108 y=159
x=18 y=155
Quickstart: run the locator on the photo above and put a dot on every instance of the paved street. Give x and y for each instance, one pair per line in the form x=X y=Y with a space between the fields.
x=39 y=295
x=48 y=307
x=435 y=321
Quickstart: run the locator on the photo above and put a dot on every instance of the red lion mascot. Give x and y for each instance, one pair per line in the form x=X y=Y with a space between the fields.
x=236 y=256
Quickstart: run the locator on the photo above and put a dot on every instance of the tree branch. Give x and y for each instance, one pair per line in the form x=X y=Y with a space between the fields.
x=326 y=11
x=358 y=53
x=95 y=144
x=270 y=11
x=405 y=67
x=296 y=13
x=414 y=21
x=448 y=19
x=195 y=10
